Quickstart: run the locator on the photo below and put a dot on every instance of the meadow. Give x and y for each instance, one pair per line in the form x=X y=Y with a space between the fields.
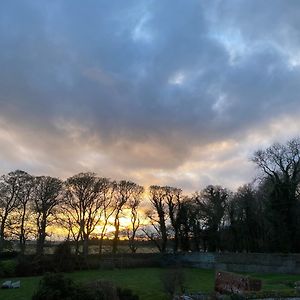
x=147 y=284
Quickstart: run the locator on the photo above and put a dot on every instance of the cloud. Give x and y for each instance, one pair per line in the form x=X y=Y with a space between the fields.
x=149 y=91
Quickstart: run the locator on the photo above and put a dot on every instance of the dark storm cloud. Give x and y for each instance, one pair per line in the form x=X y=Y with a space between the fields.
x=145 y=89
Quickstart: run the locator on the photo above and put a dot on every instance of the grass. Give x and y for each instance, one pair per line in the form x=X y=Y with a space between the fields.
x=146 y=282
x=277 y=282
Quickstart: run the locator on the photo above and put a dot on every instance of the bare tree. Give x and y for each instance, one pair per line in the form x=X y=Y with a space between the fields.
x=173 y=198
x=47 y=196
x=84 y=202
x=158 y=216
x=166 y=215
x=65 y=220
x=10 y=188
x=107 y=211
x=133 y=205
x=25 y=204
x=124 y=192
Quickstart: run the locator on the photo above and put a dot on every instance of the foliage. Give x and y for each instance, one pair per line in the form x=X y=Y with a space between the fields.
x=280 y=164
x=55 y=287
x=126 y=294
x=63 y=258
x=7 y=268
x=34 y=265
x=8 y=254
x=212 y=202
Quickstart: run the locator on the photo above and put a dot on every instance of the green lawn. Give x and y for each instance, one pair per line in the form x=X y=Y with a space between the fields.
x=277 y=282
x=146 y=282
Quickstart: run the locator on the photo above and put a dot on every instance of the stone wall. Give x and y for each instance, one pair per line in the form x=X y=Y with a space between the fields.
x=243 y=262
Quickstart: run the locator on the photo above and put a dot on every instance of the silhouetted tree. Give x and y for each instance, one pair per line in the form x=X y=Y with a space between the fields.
x=212 y=202
x=10 y=189
x=185 y=219
x=84 y=203
x=245 y=212
x=158 y=217
x=125 y=191
x=192 y=226
x=280 y=163
x=25 y=197
x=173 y=199
x=107 y=211
x=46 y=196
x=133 y=204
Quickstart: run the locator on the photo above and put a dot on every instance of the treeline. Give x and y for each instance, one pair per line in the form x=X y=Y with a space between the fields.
x=260 y=217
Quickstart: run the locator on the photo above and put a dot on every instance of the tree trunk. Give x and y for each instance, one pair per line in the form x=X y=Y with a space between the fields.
x=2 y=228
x=1 y=243
x=116 y=237
x=176 y=241
x=100 y=245
x=22 y=233
x=86 y=246
x=41 y=237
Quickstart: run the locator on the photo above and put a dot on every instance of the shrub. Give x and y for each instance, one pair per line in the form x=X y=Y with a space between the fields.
x=8 y=254
x=63 y=258
x=8 y=268
x=34 y=265
x=24 y=266
x=55 y=287
x=126 y=294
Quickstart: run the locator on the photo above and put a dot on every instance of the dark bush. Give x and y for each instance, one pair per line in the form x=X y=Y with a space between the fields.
x=126 y=294
x=8 y=268
x=60 y=261
x=34 y=265
x=58 y=287
x=8 y=254
x=24 y=266
x=64 y=261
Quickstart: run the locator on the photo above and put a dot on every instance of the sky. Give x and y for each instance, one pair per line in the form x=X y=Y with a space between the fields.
x=167 y=92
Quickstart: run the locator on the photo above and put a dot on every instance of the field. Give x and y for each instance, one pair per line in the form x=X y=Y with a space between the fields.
x=50 y=246
x=146 y=282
